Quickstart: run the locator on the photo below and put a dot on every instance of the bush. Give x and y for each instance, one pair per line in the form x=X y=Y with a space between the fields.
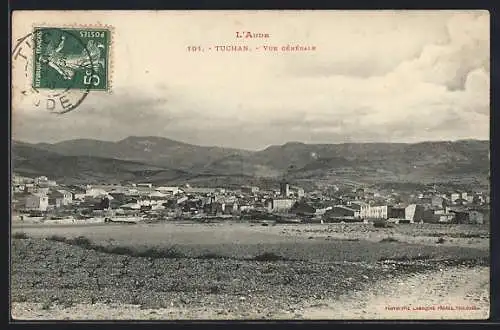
x=215 y=289
x=56 y=238
x=269 y=256
x=20 y=235
x=171 y=253
x=81 y=241
x=121 y=250
x=388 y=240
x=440 y=240
x=161 y=253
x=210 y=255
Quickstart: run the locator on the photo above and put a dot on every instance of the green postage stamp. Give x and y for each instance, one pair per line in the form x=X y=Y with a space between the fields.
x=71 y=58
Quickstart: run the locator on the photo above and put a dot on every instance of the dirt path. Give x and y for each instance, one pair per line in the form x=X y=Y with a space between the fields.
x=456 y=293
x=451 y=288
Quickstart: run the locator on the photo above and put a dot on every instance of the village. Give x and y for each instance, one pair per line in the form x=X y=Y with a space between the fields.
x=45 y=200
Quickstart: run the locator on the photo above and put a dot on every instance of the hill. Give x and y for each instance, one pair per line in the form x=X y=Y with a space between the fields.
x=148 y=149
x=163 y=160
x=30 y=161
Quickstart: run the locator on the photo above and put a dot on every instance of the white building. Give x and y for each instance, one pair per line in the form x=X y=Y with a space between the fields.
x=169 y=190
x=414 y=212
x=454 y=196
x=374 y=212
x=40 y=179
x=157 y=195
x=95 y=192
x=281 y=204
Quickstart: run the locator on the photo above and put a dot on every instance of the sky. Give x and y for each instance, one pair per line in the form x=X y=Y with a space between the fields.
x=376 y=76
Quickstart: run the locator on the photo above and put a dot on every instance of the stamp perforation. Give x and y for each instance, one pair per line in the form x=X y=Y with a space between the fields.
x=110 y=48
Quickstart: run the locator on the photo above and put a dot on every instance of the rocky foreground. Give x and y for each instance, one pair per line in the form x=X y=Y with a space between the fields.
x=448 y=295
x=79 y=280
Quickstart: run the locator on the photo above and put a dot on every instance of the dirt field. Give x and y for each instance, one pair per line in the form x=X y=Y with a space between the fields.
x=201 y=271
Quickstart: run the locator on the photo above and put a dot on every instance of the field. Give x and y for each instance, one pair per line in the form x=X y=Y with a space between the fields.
x=238 y=270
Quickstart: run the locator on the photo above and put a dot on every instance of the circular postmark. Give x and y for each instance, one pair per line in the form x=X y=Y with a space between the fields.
x=43 y=77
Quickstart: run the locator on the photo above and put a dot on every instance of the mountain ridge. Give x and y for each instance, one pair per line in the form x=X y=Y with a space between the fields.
x=461 y=160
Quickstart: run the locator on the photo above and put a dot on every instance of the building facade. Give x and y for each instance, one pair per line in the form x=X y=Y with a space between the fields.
x=284 y=189
x=37 y=202
x=281 y=204
x=374 y=212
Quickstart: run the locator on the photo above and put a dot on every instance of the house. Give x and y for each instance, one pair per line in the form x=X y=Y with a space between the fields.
x=42 y=190
x=425 y=201
x=144 y=185
x=105 y=204
x=60 y=198
x=220 y=190
x=374 y=212
x=78 y=193
x=246 y=207
x=182 y=200
x=437 y=201
x=454 y=196
x=230 y=207
x=157 y=195
x=428 y=194
x=18 y=180
x=40 y=179
x=461 y=215
x=250 y=190
x=303 y=208
x=192 y=205
x=369 y=195
x=119 y=196
x=461 y=201
x=356 y=205
x=18 y=188
x=38 y=202
x=414 y=213
x=341 y=213
x=284 y=189
x=46 y=183
x=131 y=206
x=169 y=190
x=95 y=192
x=429 y=216
x=360 y=193
x=321 y=209
x=280 y=204
x=297 y=192
x=476 y=217
x=445 y=218
x=214 y=208
x=396 y=213
x=200 y=191
x=29 y=188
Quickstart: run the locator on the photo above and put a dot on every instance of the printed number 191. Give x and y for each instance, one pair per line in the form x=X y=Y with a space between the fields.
x=194 y=49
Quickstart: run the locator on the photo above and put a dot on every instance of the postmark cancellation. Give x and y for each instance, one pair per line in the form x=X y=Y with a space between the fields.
x=71 y=58
x=54 y=68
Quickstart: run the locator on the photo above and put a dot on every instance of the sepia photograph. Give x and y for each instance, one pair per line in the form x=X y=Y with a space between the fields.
x=250 y=165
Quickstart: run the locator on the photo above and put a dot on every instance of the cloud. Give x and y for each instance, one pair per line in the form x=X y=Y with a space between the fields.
x=390 y=76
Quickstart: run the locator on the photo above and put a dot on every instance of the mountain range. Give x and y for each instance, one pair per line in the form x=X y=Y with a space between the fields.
x=166 y=161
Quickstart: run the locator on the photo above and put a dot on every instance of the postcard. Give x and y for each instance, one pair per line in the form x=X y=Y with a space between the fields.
x=271 y=165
